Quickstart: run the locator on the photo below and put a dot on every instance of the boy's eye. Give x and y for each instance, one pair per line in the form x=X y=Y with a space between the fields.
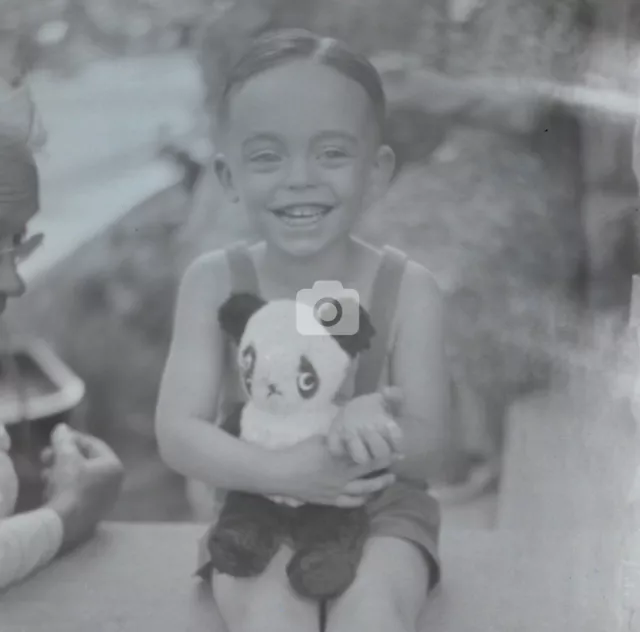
x=334 y=152
x=265 y=157
x=334 y=156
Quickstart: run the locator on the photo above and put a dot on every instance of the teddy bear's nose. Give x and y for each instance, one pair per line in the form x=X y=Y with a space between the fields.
x=272 y=388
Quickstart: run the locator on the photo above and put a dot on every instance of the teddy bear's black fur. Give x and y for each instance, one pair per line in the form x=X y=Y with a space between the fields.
x=327 y=541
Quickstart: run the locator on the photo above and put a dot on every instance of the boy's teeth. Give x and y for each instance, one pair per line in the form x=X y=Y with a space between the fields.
x=303 y=211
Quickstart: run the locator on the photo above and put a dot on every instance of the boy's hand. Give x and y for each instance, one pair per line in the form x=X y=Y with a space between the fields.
x=366 y=430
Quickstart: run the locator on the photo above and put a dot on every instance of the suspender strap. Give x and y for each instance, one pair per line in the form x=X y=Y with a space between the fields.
x=243 y=273
x=243 y=278
x=384 y=298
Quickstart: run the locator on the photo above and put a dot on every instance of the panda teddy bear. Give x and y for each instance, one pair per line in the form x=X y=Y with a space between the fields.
x=292 y=383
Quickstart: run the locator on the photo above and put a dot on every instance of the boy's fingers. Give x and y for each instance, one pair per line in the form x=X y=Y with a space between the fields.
x=392 y=401
x=395 y=437
x=368 y=486
x=334 y=444
x=377 y=445
x=392 y=395
x=348 y=502
x=357 y=450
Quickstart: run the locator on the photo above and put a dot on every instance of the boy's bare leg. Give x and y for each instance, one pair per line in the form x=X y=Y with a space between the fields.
x=388 y=593
x=265 y=603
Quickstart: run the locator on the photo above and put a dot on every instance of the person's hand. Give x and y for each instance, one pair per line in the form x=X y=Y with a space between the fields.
x=366 y=431
x=311 y=474
x=83 y=478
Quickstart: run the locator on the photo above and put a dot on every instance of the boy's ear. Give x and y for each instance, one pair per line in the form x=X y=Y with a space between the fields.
x=381 y=174
x=235 y=312
x=223 y=172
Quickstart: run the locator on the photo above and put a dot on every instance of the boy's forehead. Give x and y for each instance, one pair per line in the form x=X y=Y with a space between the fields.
x=300 y=96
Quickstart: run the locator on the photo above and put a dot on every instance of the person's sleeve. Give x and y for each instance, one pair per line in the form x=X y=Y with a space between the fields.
x=28 y=542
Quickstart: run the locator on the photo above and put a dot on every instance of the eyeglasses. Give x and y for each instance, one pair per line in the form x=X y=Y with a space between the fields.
x=20 y=248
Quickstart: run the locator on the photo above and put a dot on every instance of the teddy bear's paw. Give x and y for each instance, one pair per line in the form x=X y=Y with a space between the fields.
x=321 y=573
x=242 y=552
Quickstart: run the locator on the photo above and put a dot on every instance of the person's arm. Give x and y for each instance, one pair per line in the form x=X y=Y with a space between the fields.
x=419 y=369
x=28 y=542
x=186 y=429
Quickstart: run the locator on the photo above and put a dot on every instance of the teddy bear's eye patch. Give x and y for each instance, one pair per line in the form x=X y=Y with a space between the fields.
x=247 y=365
x=308 y=381
x=248 y=357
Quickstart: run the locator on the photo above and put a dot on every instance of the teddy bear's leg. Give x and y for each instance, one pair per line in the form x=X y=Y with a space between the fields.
x=328 y=545
x=247 y=536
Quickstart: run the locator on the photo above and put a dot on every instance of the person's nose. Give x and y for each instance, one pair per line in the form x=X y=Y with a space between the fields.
x=301 y=174
x=11 y=283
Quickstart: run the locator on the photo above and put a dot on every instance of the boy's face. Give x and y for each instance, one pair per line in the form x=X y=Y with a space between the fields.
x=302 y=154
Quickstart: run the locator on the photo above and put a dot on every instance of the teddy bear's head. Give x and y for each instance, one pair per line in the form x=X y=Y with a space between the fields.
x=281 y=369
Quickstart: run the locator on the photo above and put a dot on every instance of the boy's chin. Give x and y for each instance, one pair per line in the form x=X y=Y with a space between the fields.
x=304 y=247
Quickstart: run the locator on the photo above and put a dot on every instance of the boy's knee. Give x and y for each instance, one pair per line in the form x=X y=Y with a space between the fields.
x=239 y=613
x=231 y=604
x=374 y=613
x=263 y=604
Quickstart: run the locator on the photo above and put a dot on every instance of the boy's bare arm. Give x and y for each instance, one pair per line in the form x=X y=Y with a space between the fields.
x=419 y=369
x=188 y=439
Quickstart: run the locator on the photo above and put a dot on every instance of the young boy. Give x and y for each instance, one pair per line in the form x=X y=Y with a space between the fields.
x=300 y=121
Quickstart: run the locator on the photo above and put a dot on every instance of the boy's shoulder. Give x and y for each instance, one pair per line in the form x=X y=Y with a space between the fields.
x=206 y=276
x=419 y=289
x=204 y=265
x=417 y=277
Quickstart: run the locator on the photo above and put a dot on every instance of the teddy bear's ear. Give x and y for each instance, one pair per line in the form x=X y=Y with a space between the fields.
x=353 y=344
x=235 y=312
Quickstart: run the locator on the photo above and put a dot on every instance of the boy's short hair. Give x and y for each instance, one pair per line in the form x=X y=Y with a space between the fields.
x=278 y=47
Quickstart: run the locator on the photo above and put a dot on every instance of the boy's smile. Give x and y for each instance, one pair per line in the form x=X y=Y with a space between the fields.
x=302 y=154
x=302 y=215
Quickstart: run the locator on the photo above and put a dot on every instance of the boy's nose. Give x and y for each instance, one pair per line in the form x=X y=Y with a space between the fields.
x=301 y=175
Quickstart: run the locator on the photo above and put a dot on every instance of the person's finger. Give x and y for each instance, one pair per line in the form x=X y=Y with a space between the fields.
x=47 y=456
x=365 y=487
x=376 y=444
x=92 y=447
x=62 y=441
x=357 y=449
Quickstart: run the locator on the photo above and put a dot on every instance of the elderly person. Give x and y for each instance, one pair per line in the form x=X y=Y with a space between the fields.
x=82 y=475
